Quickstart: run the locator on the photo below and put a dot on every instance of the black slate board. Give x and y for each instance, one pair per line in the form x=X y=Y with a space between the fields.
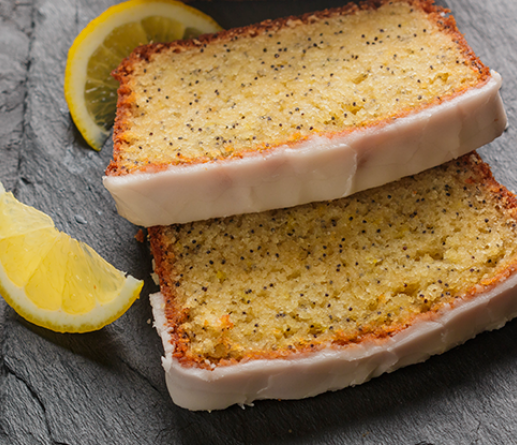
x=108 y=387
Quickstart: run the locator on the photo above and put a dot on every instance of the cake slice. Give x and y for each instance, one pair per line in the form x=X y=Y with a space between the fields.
x=290 y=303
x=296 y=110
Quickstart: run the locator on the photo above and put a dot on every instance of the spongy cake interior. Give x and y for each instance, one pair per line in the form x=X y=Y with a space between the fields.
x=268 y=284
x=249 y=92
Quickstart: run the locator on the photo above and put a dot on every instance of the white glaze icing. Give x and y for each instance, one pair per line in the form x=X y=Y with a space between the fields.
x=318 y=169
x=331 y=369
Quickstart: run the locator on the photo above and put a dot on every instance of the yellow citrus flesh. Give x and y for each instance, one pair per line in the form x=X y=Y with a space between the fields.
x=53 y=280
x=90 y=91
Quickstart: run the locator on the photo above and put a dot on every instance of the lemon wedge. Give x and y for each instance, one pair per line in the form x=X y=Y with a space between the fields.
x=53 y=280
x=90 y=91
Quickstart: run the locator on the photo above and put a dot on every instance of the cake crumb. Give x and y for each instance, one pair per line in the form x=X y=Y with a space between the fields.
x=140 y=237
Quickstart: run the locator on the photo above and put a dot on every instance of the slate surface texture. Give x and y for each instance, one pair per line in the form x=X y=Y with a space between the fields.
x=108 y=387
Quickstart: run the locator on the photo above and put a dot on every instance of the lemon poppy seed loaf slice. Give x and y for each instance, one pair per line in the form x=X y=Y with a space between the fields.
x=291 y=303
x=296 y=110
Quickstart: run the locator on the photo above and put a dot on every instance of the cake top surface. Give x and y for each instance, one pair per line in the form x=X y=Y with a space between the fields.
x=280 y=82
x=274 y=283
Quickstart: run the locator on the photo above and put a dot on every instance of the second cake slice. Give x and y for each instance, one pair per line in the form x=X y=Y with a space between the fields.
x=294 y=302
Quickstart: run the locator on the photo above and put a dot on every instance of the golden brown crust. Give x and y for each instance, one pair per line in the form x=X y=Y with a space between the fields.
x=440 y=16
x=163 y=252
x=165 y=270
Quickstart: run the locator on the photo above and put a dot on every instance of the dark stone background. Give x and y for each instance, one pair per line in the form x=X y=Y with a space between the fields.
x=107 y=387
